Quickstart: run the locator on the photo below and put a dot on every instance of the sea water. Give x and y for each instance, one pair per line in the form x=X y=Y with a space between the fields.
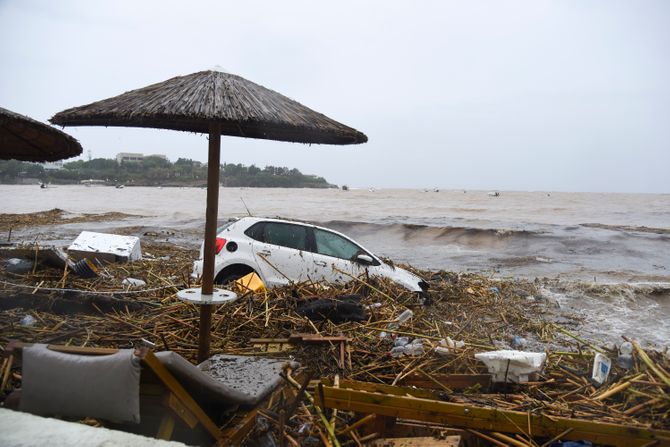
x=607 y=255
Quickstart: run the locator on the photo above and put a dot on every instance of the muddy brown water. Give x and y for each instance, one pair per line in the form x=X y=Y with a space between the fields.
x=607 y=255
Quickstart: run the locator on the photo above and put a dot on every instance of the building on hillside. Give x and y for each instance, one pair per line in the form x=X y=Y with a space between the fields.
x=52 y=165
x=134 y=157
x=128 y=157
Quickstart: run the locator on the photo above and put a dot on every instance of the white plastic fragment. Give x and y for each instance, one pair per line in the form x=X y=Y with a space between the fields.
x=105 y=247
x=512 y=366
x=601 y=369
x=451 y=344
x=442 y=351
x=133 y=282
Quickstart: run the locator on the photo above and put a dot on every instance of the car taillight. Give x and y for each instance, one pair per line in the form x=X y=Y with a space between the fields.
x=220 y=242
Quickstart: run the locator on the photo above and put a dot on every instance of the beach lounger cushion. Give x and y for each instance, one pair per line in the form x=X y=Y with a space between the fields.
x=237 y=380
x=72 y=385
x=253 y=377
x=203 y=388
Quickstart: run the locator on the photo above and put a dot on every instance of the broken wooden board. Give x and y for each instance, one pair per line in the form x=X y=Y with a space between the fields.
x=426 y=441
x=492 y=419
x=481 y=382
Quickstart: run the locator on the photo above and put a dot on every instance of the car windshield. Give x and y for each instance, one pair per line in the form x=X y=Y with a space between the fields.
x=331 y=244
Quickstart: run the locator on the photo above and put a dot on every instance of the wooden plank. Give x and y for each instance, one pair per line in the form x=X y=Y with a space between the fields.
x=237 y=431
x=451 y=381
x=426 y=441
x=382 y=388
x=316 y=338
x=166 y=427
x=181 y=394
x=492 y=419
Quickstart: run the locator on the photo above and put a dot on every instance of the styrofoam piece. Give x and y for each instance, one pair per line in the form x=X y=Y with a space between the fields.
x=512 y=366
x=105 y=247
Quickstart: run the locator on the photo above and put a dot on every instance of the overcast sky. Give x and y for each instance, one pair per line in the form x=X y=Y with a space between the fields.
x=510 y=95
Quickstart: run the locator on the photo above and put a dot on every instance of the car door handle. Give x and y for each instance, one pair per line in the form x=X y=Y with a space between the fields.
x=265 y=252
x=321 y=263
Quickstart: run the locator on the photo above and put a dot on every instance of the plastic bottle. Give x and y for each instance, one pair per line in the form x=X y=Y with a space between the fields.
x=415 y=348
x=442 y=351
x=453 y=344
x=406 y=315
x=401 y=341
x=625 y=359
x=28 y=320
x=518 y=341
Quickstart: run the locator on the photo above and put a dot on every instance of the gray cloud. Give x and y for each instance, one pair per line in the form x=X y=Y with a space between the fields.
x=527 y=95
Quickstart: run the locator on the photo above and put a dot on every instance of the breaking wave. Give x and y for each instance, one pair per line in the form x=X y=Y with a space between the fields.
x=427 y=235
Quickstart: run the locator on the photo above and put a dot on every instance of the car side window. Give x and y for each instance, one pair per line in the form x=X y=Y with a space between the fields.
x=256 y=231
x=286 y=235
x=331 y=244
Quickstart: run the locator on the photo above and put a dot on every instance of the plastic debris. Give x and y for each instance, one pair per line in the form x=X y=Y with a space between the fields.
x=106 y=247
x=415 y=348
x=18 y=266
x=133 y=282
x=28 y=321
x=401 y=341
x=442 y=351
x=84 y=268
x=518 y=341
x=451 y=344
x=601 y=369
x=625 y=359
x=250 y=283
x=512 y=366
x=402 y=318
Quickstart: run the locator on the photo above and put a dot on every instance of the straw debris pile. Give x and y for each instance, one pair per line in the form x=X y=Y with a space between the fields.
x=483 y=313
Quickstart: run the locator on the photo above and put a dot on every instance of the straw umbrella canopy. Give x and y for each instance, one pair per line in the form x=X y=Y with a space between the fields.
x=216 y=103
x=23 y=138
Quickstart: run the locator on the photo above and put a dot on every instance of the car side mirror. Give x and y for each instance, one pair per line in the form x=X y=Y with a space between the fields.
x=364 y=259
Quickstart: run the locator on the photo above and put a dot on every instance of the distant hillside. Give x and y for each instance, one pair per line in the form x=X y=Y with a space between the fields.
x=156 y=171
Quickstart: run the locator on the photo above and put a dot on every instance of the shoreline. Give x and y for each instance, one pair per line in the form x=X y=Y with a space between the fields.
x=611 y=301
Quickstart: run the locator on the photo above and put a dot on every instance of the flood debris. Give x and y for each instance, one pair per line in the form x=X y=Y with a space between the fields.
x=24 y=258
x=105 y=247
x=364 y=393
x=337 y=310
x=512 y=366
x=18 y=266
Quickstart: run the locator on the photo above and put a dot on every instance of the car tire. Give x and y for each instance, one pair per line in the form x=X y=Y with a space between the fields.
x=228 y=275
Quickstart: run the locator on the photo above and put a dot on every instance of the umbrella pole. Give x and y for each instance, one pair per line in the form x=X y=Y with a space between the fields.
x=211 y=216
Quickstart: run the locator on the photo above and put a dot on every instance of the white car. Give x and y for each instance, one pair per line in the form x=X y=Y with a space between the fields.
x=283 y=252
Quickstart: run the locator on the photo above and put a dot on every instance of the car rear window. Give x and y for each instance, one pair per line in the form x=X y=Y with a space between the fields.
x=276 y=233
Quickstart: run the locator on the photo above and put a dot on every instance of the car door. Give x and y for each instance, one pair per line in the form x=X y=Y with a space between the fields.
x=281 y=252
x=334 y=257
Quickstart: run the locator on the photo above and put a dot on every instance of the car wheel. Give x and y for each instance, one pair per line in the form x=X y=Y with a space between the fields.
x=230 y=274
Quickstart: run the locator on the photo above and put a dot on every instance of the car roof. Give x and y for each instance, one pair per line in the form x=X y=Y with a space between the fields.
x=250 y=220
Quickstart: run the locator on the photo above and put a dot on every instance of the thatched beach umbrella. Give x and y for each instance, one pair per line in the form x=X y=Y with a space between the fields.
x=23 y=138
x=219 y=104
